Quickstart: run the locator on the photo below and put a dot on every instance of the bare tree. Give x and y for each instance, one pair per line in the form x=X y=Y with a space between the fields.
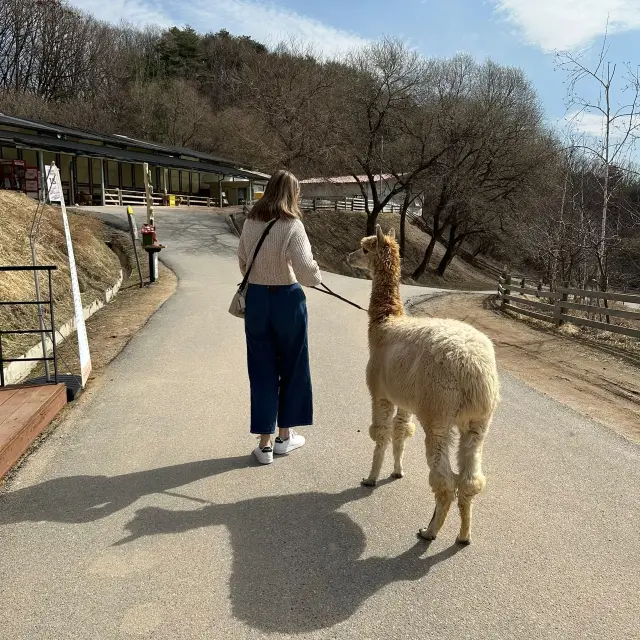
x=616 y=110
x=381 y=88
x=290 y=95
x=495 y=147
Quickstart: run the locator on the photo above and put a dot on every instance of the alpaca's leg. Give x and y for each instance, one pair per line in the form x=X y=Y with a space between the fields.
x=441 y=476
x=403 y=428
x=380 y=432
x=471 y=480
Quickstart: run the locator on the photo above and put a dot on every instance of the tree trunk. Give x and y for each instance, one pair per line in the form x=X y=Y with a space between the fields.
x=422 y=267
x=446 y=259
x=403 y=220
x=372 y=218
x=452 y=248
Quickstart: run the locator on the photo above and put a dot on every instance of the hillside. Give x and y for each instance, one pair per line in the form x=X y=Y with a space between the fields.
x=97 y=266
x=335 y=234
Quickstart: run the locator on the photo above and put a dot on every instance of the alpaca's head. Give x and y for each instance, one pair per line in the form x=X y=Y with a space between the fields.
x=377 y=252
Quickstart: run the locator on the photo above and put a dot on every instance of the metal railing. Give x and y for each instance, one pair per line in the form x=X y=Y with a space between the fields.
x=52 y=331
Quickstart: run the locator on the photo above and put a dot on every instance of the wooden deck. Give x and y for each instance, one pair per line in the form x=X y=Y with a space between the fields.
x=25 y=411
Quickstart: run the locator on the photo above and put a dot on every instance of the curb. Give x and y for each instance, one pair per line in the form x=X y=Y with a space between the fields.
x=18 y=371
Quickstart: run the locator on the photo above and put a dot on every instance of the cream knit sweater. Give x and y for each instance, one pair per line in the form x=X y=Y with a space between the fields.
x=285 y=256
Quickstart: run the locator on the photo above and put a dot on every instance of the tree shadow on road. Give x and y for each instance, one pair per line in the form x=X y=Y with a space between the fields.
x=297 y=560
x=78 y=499
x=297 y=564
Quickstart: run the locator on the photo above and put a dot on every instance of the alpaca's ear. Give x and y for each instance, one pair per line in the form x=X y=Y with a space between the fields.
x=379 y=234
x=392 y=233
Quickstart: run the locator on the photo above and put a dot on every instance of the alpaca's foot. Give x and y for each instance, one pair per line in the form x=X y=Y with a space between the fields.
x=368 y=482
x=427 y=534
x=397 y=475
x=463 y=540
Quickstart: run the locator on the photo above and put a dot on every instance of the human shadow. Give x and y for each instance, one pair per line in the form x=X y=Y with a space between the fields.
x=86 y=498
x=297 y=561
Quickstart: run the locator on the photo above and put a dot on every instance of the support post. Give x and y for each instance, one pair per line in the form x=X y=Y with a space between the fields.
x=220 y=190
x=72 y=181
x=147 y=190
x=558 y=309
x=102 y=194
x=42 y=187
x=507 y=290
x=153 y=252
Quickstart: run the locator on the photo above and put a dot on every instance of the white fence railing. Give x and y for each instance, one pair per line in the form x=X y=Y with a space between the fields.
x=356 y=203
x=124 y=197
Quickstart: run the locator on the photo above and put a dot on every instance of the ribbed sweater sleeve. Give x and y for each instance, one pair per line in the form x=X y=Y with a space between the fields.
x=242 y=255
x=300 y=255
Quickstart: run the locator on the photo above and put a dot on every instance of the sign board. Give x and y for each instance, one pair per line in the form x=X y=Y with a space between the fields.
x=54 y=186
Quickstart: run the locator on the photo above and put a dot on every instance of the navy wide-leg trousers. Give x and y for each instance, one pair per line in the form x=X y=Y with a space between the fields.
x=278 y=357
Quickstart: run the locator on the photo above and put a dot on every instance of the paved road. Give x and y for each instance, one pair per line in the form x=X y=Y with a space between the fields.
x=144 y=517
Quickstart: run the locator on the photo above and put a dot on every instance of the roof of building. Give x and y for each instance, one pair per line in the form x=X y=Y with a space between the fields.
x=346 y=179
x=52 y=137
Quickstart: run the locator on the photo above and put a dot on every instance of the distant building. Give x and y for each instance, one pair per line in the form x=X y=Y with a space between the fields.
x=345 y=186
x=107 y=169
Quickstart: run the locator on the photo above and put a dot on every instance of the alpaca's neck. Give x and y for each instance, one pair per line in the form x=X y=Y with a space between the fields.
x=385 y=295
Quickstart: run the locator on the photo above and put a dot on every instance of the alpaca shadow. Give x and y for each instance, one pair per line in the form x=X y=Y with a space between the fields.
x=79 y=499
x=297 y=561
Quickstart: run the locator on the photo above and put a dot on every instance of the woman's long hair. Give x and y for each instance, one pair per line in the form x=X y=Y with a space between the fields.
x=280 y=199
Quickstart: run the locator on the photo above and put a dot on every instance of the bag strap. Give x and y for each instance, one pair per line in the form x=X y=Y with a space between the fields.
x=265 y=233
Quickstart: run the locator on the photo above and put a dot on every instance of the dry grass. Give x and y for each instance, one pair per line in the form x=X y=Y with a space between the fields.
x=97 y=266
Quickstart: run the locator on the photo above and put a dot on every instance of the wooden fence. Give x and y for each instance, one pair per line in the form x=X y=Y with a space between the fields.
x=356 y=203
x=554 y=306
x=124 y=197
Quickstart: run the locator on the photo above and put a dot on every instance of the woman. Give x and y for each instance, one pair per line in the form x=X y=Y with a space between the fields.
x=276 y=317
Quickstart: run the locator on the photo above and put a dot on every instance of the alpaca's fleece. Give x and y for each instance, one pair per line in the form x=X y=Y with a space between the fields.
x=437 y=368
x=443 y=371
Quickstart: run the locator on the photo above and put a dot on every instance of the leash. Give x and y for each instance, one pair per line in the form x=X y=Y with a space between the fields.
x=328 y=292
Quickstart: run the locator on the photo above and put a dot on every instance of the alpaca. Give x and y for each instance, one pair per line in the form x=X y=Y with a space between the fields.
x=443 y=371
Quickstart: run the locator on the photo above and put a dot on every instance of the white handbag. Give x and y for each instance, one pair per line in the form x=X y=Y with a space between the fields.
x=239 y=302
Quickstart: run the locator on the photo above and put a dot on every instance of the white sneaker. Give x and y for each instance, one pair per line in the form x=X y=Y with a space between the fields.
x=294 y=441
x=264 y=455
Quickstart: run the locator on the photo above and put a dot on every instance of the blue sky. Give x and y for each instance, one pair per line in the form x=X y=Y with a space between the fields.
x=524 y=33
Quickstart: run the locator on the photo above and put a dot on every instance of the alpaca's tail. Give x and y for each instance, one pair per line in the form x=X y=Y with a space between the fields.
x=481 y=387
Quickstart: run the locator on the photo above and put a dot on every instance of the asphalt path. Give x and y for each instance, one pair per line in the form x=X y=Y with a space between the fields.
x=144 y=515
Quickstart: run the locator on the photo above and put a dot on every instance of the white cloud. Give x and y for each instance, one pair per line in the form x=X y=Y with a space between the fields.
x=264 y=21
x=592 y=125
x=569 y=24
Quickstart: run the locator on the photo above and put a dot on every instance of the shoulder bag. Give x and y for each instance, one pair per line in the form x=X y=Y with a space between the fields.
x=238 y=304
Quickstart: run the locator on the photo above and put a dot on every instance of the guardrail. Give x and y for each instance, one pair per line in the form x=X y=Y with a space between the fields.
x=52 y=330
x=556 y=306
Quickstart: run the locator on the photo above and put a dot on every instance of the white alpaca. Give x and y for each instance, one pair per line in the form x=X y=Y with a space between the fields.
x=443 y=371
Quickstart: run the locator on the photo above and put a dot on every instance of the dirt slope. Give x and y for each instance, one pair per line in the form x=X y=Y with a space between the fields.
x=596 y=381
x=97 y=265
